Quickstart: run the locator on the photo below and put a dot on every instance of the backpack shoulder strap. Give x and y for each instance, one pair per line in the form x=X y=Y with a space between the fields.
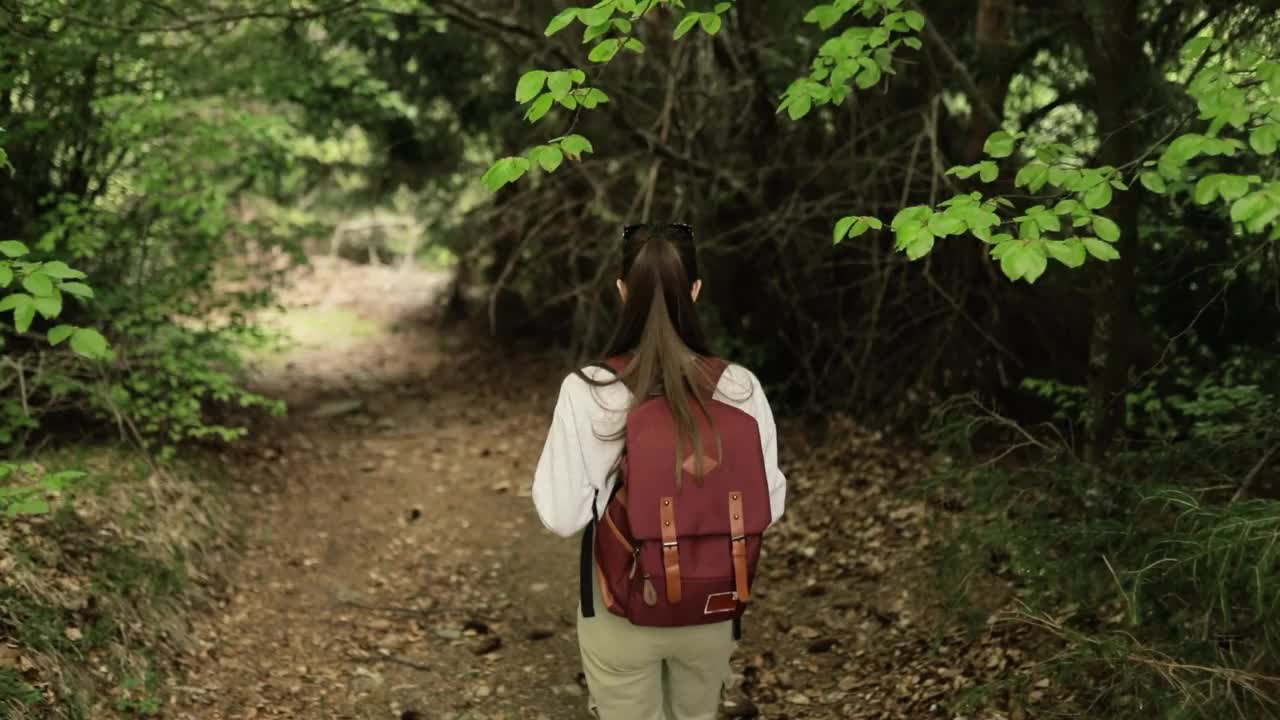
x=715 y=370
x=586 y=561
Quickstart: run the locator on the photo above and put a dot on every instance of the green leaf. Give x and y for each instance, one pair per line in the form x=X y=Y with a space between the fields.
x=1101 y=250
x=799 y=106
x=78 y=289
x=1035 y=261
x=598 y=15
x=1022 y=260
x=1046 y=220
x=710 y=23
x=575 y=145
x=916 y=240
x=1106 y=228
x=999 y=145
x=1098 y=196
x=530 y=85
x=943 y=224
x=722 y=8
x=686 y=24
x=605 y=51
x=1069 y=252
x=539 y=108
x=9 y=302
x=13 y=248
x=595 y=31
x=1206 y=189
x=870 y=74
x=1154 y=182
x=6 y=275
x=59 y=333
x=1233 y=187
x=1195 y=48
x=60 y=270
x=1264 y=217
x=1032 y=176
x=594 y=97
x=634 y=45
x=824 y=15
x=30 y=506
x=49 y=306
x=842 y=228
x=1264 y=139
x=914 y=19
x=914 y=215
x=561 y=21
x=550 y=158
x=506 y=170
x=988 y=171
x=559 y=83
x=1248 y=207
x=1066 y=206
x=24 y=313
x=89 y=343
x=37 y=283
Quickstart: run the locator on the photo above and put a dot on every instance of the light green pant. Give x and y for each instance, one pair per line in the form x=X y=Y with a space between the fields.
x=653 y=673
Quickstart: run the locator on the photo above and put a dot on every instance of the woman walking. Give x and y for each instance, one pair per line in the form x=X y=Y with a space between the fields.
x=667 y=456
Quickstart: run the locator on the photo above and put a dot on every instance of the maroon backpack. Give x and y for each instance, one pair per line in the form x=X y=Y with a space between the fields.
x=686 y=555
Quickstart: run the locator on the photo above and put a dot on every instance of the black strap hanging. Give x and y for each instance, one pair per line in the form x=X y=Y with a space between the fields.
x=586 y=562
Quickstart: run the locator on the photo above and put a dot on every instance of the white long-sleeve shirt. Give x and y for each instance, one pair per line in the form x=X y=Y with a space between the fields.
x=575 y=462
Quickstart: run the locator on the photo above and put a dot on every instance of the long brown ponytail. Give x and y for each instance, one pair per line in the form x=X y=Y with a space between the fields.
x=659 y=329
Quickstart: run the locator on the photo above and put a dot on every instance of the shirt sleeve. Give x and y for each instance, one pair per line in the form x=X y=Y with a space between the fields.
x=769 y=444
x=562 y=490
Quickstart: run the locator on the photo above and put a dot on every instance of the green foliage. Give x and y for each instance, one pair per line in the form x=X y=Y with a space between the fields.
x=1167 y=590
x=858 y=57
x=16 y=691
x=1232 y=91
x=1239 y=91
x=128 y=175
x=139 y=696
x=46 y=285
x=541 y=90
x=23 y=488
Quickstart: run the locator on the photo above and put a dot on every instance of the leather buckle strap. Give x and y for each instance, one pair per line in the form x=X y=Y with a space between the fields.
x=737 y=526
x=670 y=550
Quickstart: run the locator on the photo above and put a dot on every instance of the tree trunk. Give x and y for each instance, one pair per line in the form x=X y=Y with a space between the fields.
x=1121 y=73
x=993 y=42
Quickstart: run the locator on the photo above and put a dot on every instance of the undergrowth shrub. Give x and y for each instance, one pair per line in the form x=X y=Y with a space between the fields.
x=1157 y=569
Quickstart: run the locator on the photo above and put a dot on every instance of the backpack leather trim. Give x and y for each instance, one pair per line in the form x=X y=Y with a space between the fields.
x=604 y=588
x=739 y=542
x=670 y=550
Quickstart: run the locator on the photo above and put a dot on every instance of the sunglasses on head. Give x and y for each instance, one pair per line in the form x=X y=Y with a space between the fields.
x=683 y=228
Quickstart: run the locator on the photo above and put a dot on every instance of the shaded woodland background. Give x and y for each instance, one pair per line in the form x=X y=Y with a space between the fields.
x=1109 y=432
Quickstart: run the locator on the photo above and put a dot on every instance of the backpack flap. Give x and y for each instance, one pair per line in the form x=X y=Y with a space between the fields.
x=700 y=505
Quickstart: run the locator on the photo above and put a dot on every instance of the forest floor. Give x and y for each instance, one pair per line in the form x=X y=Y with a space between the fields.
x=394 y=567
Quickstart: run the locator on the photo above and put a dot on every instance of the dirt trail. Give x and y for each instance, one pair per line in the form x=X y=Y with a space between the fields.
x=394 y=567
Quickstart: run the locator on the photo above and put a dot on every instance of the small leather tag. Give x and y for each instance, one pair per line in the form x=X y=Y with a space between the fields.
x=720 y=602
x=650 y=593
